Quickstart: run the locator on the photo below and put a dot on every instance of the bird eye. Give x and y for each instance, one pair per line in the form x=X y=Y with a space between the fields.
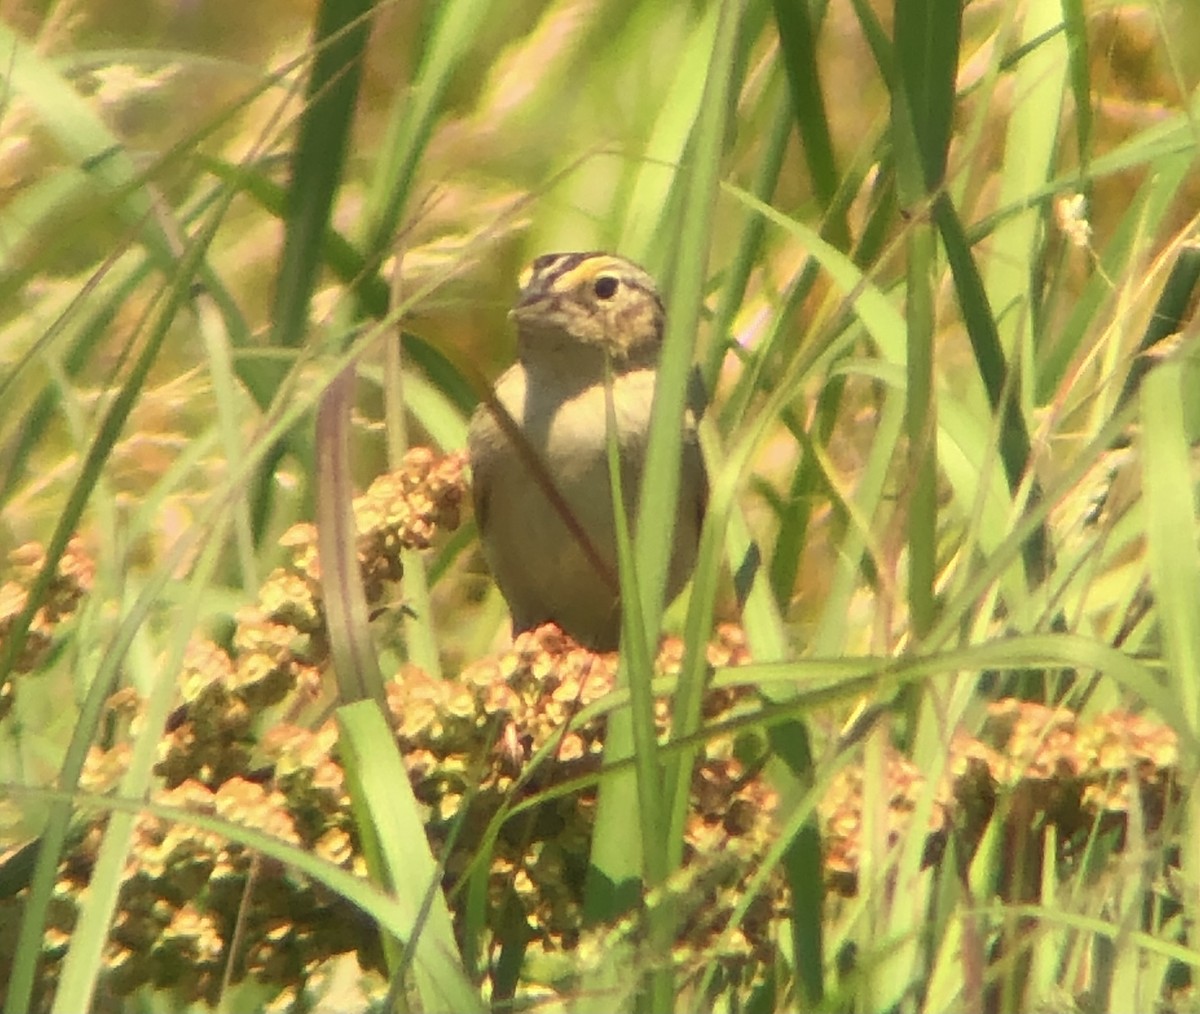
x=605 y=287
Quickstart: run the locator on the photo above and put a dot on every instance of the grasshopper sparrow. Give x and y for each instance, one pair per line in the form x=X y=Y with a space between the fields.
x=575 y=311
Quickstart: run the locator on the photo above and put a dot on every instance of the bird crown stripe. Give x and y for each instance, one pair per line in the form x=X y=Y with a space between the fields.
x=568 y=264
x=566 y=270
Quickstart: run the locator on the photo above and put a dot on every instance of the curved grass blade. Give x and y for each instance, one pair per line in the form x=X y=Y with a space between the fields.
x=797 y=45
x=1168 y=318
x=347 y=616
x=989 y=357
x=398 y=856
x=340 y=34
x=1171 y=509
x=394 y=916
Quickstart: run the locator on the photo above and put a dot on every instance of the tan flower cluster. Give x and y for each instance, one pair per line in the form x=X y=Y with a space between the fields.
x=186 y=890
x=476 y=747
x=1036 y=760
x=279 y=645
x=498 y=736
x=72 y=580
x=400 y=510
x=504 y=765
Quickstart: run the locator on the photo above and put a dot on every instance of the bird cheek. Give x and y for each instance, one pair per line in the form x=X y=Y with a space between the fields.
x=614 y=327
x=597 y=329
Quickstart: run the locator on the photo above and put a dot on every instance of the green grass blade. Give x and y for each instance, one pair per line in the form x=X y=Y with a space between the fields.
x=797 y=46
x=832 y=635
x=108 y=432
x=37 y=416
x=84 y=969
x=347 y=616
x=340 y=33
x=921 y=430
x=659 y=499
x=393 y=833
x=1173 y=555
x=981 y=328
x=1075 y=24
x=1170 y=313
x=657 y=187
x=80 y=132
x=750 y=242
x=1174 y=135
x=926 y=53
x=443 y=49
x=398 y=917
x=1029 y=151
x=867 y=300
x=611 y=867
x=205 y=534
x=1144 y=216
x=420 y=635
x=636 y=672
x=82 y=965
x=636 y=666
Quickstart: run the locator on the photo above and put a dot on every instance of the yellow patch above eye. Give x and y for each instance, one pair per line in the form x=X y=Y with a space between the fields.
x=588 y=270
x=568 y=272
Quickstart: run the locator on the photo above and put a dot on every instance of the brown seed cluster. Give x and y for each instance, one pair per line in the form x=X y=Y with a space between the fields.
x=1042 y=764
x=503 y=759
x=187 y=893
x=280 y=648
x=476 y=747
x=196 y=909
x=71 y=582
x=500 y=735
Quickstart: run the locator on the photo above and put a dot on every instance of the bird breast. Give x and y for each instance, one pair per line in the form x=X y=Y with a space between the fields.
x=568 y=427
